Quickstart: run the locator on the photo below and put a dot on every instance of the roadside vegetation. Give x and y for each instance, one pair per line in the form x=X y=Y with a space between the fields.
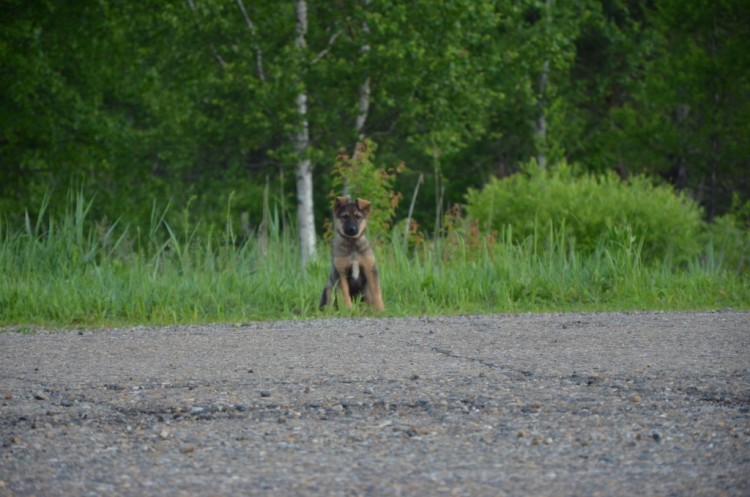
x=550 y=241
x=166 y=162
x=188 y=102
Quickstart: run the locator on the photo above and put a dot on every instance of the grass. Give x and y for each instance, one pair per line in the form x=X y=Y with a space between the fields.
x=72 y=272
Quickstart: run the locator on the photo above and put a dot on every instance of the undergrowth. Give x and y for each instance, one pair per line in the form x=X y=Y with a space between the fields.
x=70 y=271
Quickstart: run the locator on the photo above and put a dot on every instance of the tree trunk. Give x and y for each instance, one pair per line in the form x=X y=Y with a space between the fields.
x=305 y=216
x=540 y=125
x=714 y=137
x=363 y=104
x=364 y=88
x=254 y=34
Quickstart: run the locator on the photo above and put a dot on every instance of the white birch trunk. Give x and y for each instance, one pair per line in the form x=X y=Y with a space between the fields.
x=364 y=89
x=305 y=216
x=363 y=106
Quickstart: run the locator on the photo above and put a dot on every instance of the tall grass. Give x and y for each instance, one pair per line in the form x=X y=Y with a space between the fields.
x=68 y=270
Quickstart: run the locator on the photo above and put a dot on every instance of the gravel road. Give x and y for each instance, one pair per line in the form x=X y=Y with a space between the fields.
x=559 y=404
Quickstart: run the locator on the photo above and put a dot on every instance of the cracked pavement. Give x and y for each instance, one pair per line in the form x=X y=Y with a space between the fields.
x=555 y=404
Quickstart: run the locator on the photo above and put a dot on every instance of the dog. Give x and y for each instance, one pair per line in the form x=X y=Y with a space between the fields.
x=353 y=265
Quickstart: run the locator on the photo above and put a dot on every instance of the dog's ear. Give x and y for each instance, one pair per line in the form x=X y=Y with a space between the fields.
x=339 y=203
x=363 y=205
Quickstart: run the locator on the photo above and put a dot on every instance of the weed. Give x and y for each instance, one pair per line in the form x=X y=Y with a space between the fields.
x=69 y=270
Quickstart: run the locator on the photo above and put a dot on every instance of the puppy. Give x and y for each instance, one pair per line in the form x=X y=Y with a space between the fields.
x=352 y=260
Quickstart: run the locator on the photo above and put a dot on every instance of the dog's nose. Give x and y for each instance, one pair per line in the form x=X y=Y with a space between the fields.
x=351 y=230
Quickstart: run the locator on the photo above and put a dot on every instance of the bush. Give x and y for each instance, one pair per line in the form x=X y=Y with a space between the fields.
x=727 y=241
x=361 y=178
x=592 y=210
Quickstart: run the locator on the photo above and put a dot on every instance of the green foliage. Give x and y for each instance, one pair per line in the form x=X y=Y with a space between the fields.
x=686 y=119
x=186 y=102
x=361 y=178
x=63 y=270
x=727 y=240
x=591 y=211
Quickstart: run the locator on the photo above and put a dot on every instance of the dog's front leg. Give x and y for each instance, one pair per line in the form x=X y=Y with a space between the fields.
x=326 y=299
x=345 y=292
x=372 y=292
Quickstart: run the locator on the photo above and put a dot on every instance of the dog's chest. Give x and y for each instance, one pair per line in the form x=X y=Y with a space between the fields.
x=354 y=268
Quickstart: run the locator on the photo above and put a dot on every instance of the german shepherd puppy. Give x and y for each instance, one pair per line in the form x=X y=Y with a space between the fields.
x=352 y=259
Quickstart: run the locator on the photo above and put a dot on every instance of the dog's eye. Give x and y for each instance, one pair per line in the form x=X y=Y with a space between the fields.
x=358 y=215
x=344 y=216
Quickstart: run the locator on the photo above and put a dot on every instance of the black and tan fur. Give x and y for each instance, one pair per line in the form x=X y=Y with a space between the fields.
x=352 y=260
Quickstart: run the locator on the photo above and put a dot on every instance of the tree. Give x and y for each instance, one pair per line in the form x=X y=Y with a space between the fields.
x=688 y=120
x=305 y=216
x=187 y=102
x=430 y=66
x=51 y=98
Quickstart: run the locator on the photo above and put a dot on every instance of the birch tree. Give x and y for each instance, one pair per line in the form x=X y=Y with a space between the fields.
x=303 y=168
x=363 y=104
x=540 y=127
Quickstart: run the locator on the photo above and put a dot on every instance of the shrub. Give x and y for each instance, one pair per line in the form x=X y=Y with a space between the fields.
x=363 y=179
x=727 y=241
x=591 y=210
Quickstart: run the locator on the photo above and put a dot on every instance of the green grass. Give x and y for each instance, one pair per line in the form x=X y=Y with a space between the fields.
x=70 y=272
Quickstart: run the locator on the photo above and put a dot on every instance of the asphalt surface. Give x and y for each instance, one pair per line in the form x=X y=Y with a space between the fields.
x=615 y=404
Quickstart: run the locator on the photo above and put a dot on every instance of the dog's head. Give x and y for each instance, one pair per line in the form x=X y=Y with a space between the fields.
x=350 y=218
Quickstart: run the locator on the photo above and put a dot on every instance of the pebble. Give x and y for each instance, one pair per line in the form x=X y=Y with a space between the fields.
x=545 y=428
